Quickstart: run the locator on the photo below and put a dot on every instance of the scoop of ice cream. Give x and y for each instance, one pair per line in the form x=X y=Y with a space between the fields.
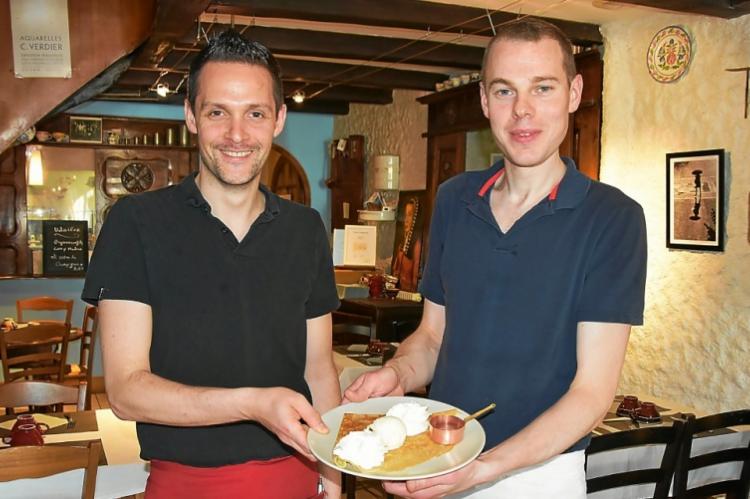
x=413 y=415
x=361 y=448
x=391 y=431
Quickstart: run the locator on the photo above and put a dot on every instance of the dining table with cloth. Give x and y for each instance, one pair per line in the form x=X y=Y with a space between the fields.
x=614 y=461
x=121 y=471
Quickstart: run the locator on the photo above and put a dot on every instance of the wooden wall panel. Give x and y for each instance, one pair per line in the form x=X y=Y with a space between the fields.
x=100 y=34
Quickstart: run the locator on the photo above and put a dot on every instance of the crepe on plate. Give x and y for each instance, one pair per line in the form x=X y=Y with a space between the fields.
x=416 y=449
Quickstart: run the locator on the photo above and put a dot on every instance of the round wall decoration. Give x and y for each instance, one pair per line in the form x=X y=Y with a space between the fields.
x=137 y=177
x=669 y=54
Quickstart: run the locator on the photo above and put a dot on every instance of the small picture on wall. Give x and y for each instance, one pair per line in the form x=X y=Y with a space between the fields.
x=85 y=130
x=695 y=200
x=407 y=251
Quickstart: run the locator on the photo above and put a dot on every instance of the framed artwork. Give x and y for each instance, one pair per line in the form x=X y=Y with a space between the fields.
x=695 y=200
x=408 y=247
x=85 y=130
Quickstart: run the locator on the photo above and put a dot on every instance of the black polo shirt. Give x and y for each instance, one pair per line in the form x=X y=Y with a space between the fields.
x=513 y=300
x=225 y=313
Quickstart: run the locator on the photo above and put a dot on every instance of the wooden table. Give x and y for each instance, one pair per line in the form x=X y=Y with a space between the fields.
x=121 y=471
x=388 y=319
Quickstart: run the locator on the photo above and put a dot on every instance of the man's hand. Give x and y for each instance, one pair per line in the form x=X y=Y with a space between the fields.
x=285 y=413
x=381 y=383
x=465 y=478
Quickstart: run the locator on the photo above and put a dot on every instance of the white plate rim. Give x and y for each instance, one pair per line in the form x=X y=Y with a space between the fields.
x=321 y=445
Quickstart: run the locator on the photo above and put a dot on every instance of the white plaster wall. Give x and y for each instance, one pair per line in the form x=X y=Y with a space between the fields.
x=393 y=129
x=695 y=344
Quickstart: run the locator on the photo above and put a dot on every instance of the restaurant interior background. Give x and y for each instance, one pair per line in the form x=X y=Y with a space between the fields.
x=695 y=343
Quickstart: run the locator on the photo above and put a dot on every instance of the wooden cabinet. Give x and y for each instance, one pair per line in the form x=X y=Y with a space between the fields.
x=347 y=180
x=14 y=252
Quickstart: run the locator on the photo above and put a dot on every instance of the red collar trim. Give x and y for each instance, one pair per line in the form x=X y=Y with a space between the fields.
x=491 y=181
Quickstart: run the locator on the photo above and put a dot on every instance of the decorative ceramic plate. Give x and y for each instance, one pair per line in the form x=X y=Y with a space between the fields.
x=462 y=453
x=669 y=54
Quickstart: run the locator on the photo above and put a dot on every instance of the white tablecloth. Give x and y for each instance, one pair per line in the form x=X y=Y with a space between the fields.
x=125 y=473
x=349 y=369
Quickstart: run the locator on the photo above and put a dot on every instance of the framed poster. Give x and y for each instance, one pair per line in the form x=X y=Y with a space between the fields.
x=360 y=245
x=65 y=247
x=85 y=130
x=407 y=251
x=695 y=200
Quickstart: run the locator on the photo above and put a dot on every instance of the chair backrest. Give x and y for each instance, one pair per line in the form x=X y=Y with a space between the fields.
x=44 y=303
x=661 y=477
x=28 y=353
x=88 y=340
x=39 y=461
x=42 y=393
x=733 y=451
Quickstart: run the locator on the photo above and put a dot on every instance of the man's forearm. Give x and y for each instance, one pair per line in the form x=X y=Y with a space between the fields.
x=326 y=392
x=415 y=360
x=553 y=432
x=145 y=397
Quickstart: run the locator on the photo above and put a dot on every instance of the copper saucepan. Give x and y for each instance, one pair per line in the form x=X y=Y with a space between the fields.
x=448 y=430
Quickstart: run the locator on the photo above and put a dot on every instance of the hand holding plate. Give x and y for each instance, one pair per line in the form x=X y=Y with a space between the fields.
x=285 y=413
x=381 y=383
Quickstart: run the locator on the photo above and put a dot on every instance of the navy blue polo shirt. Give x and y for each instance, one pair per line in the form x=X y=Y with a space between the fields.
x=226 y=313
x=513 y=300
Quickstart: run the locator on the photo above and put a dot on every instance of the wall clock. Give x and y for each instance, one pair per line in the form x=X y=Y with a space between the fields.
x=669 y=54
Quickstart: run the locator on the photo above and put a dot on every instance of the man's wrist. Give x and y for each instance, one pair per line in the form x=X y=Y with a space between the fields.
x=393 y=365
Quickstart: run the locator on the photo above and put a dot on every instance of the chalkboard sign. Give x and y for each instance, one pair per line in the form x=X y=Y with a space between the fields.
x=65 y=247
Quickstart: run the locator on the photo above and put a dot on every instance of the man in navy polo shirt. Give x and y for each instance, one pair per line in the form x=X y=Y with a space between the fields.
x=534 y=277
x=214 y=300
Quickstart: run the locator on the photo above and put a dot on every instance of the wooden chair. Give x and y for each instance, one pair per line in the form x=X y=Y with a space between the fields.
x=34 y=356
x=41 y=393
x=735 y=488
x=41 y=461
x=83 y=371
x=661 y=477
x=44 y=303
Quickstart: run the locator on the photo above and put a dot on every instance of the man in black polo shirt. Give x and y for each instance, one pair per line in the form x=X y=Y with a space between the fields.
x=534 y=277
x=214 y=299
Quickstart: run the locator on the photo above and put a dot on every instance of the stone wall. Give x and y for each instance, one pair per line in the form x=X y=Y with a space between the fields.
x=393 y=129
x=695 y=344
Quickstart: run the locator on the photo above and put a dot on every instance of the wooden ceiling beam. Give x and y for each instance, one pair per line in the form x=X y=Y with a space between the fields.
x=319 y=106
x=396 y=14
x=348 y=93
x=350 y=46
x=361 y=76
x=174 y=19
x=727 y=9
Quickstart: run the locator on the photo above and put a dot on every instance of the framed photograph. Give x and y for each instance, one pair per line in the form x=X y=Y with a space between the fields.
x=85 y=130
x=408 y=247
x=695 y=200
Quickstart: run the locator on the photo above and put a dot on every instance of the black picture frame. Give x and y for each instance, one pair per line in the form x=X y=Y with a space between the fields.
x=695 y=200
x=85 y=130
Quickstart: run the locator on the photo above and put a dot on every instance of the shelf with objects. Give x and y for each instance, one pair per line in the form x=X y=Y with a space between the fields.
x=74 y=169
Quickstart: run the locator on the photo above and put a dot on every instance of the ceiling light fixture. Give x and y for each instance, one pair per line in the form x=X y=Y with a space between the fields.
x=298 y=96
x=162 y=89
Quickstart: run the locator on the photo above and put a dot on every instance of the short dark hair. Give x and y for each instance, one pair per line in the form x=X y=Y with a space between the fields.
x=231 y=46
x=534 y=30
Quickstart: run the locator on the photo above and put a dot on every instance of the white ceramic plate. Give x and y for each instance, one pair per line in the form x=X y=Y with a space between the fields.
x=462 y=454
